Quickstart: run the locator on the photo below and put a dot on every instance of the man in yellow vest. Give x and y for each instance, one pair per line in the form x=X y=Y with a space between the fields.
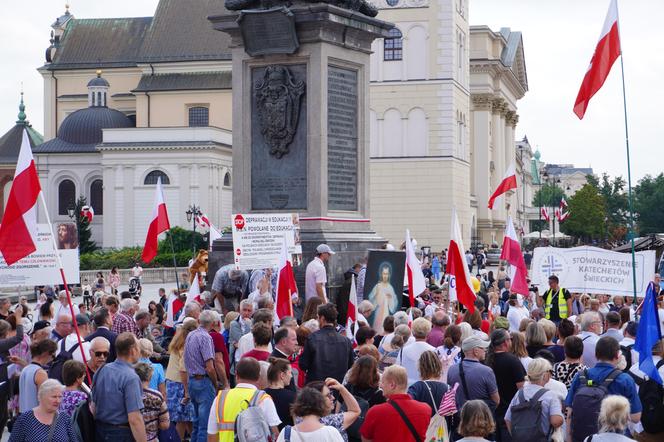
x=230 y=403
x=557 y=301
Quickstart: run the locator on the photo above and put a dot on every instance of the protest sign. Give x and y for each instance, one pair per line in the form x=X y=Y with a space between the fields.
x=258 y=239
x=593 y=270
x=41 y=267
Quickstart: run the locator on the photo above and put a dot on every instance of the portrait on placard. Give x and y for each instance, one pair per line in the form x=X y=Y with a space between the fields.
x=67 y=236
x=383 y=285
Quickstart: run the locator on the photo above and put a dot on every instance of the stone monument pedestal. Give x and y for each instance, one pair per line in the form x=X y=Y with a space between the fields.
x=300 y=126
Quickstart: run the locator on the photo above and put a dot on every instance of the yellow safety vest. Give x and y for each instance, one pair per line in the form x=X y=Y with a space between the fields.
x=562 y=303
x=230 y=403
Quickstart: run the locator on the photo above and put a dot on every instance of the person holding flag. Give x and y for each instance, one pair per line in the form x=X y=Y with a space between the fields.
x=511 y=252
x=460 y=285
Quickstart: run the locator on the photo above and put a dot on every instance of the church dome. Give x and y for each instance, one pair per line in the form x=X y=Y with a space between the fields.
x=85 y=125
x=98 y=81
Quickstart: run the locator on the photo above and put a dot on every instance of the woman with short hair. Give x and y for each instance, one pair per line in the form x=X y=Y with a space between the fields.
x=476 y=422
x=309 y=407
x=613 y=419
x=43 y=422
x=535 y=338
x=73 y=375
x=565 y=370
x=155 y=410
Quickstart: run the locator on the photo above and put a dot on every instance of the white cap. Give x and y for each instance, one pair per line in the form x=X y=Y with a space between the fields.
x=324 y=248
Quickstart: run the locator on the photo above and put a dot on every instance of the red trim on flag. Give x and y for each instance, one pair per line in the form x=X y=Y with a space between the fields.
x=157 y=226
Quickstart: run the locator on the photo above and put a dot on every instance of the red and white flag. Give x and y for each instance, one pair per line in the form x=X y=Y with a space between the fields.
x=545 y=213
x=508 y=183
x=460 y=286
x=563 y=203
x=18 y=229
x=511 y=253
x=606 y=53
x=562 y=215
x=194 y=293
x=88 y=212
x=202 y=221
x=416 y=282
x=158 y=224
x=174 y=305
x=286 y=287
x=353 y=313
x=214 y=234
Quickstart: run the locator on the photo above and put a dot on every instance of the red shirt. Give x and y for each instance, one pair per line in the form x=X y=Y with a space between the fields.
x=220 y=347
x=383 y=422
x=485 y=326
x=259 y=355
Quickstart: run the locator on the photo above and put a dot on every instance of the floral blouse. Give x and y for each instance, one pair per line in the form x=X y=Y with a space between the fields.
x=70 y=399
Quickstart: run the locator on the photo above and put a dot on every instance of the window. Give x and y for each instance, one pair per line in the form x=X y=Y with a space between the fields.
x=199 y=116
x=461 y=56
x=66 y=196
x=152 y=177
x=393 y=45
x=227 y=180
x=97 y=196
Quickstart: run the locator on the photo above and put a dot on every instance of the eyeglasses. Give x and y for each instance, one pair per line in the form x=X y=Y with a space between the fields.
x=101 y=354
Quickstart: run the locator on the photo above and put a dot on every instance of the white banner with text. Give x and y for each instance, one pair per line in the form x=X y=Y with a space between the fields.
x=259 y=238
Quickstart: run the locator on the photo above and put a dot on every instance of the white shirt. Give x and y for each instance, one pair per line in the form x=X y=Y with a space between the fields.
x=265 y=404
x=63 y=309
x=72 y=340
x=431 y=309
x=409 y=358
x=660 y=313
x=515 y=315
x=314 y=275
x=245 y=344
x=626 y=342
x=635 y=369
x=325 y=434
x=589 y=342
x=137 y=271
x=256 y=295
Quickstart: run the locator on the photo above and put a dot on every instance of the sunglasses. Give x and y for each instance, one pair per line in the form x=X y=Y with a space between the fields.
x=101 y=354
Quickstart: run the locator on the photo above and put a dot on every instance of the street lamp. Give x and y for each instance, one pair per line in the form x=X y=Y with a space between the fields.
x=192 y=213
x=71 y=211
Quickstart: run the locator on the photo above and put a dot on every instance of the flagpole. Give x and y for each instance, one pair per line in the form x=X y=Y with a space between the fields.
x=64 y=281
x=629 y=167
x=175 y=265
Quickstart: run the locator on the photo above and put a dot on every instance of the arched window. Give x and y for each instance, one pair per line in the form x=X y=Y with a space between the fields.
x=199 y=116
x=227 y=180
x=393 y=45
x=151 y=178
x=66 y=196
x=97 y=196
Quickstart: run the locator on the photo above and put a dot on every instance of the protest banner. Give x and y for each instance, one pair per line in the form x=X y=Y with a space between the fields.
x=41 y=266
x=258 y=239
x=593 y=270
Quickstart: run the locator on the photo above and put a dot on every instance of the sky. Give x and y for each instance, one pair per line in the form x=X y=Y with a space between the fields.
x=559 y=39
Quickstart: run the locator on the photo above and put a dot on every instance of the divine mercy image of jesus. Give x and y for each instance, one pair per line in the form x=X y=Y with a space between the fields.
x=383 y=270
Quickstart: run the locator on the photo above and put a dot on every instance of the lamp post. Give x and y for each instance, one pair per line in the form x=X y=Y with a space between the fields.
x=539 y=202
x=71 y=211
x=192 y=213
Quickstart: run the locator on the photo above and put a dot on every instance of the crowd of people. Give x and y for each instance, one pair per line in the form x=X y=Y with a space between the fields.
x=545 y=366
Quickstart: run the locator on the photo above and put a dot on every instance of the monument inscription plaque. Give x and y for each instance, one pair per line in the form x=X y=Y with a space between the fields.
x=268 y=32
x=278 y=177
x=341 y=139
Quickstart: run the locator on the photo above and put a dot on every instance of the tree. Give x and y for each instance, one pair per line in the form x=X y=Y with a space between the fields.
x=587 y=215
x=548 y=196
x=649 y=204
x=85 y=244
x=182 y=241
x=617 y=205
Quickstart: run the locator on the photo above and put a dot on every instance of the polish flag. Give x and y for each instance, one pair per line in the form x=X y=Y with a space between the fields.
x=460 y=287
x=556 y=213
x=512 y=254
x=353 y=313
x=194 y=294
x=158 y=225
x=286 y=287
x=174 y=305
x=88 y=212
x=203 y=221
x=563 y=216
x=508 y=183
x=606 y=53
x=563 y=203
x=18 y=229
x=545 y=214
x=416 y=282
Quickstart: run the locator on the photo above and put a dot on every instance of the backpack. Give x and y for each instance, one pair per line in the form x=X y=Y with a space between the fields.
x=586 y=404
x=55 y=369
x=353 y=432
x=83 y=421
x=527 y=418
x=651 y=395
x=626 y=351
x=250 y=424
x=437 y=429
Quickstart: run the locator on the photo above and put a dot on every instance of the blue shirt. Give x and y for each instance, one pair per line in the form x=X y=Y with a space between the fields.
x=158 y=375
x=622 y=385
x=116 y=392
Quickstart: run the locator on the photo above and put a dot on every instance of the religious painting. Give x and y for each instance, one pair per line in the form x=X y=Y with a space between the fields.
x=67 y=236
x=383 y=285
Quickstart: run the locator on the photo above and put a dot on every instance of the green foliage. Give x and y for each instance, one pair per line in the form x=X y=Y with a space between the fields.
x=126 y=257
x=548 y=196
x=85 y=244
x=617 y=207
x=587 y=219
x=649 y=204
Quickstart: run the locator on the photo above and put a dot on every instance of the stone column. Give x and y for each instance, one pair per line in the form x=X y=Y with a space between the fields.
x=498 y=124
x=481 y=115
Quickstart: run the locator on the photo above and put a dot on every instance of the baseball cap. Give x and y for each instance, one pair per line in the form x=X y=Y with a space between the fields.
x=324 y=248
x=472 y=342
x=82 y=319
x=40 y=325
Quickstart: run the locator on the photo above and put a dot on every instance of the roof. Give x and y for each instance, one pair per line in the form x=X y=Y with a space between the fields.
x=188 y=81
x=57 y=145
x=652 y=242
x=10 y=142
x=513 y=56
x=179 y=31
x=101 y=43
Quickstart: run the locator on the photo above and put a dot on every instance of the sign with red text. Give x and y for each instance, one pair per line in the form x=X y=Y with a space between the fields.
x=258 y=239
